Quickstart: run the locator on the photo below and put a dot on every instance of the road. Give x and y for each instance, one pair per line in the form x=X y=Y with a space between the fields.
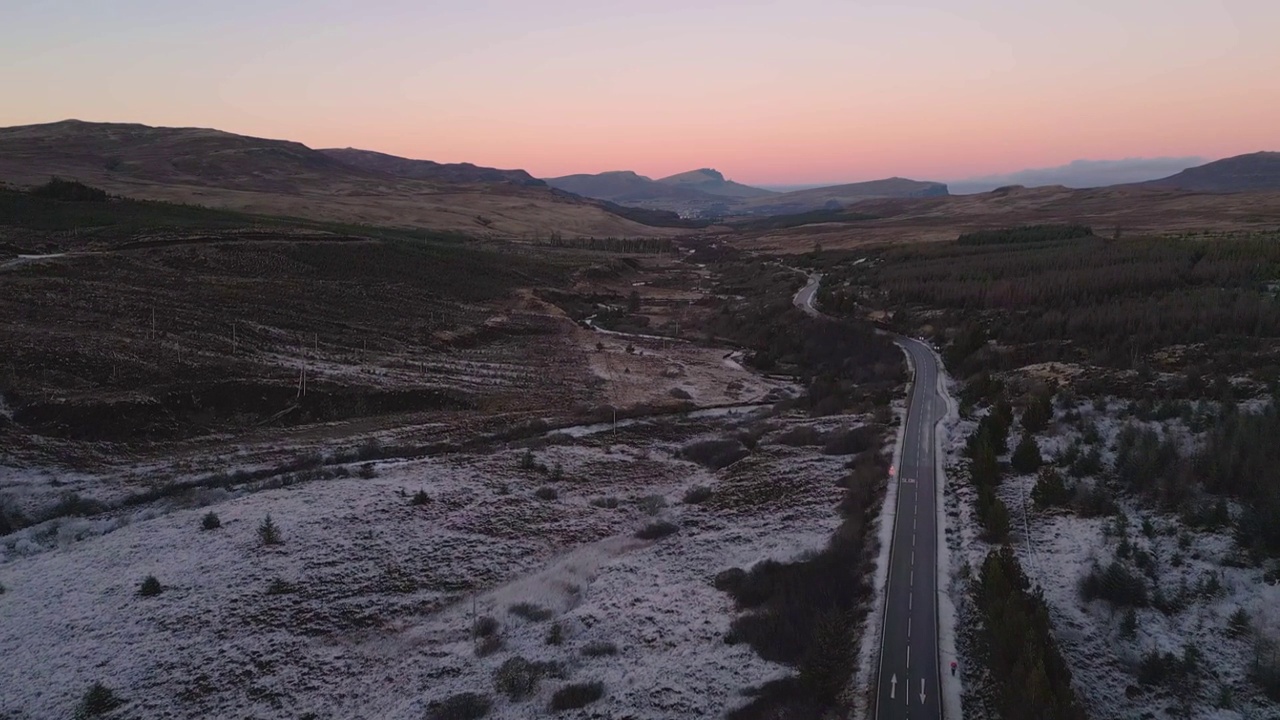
x=909 y=679
x=909 y=675
x=804 y=298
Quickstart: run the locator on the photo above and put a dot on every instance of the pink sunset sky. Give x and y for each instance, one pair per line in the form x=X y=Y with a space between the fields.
x=803 y=91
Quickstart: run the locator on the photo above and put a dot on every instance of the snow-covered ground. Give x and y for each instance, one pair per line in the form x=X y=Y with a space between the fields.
x=366 y=609
x=1057 y=549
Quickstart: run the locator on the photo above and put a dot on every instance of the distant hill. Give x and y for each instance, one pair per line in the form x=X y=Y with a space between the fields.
x=838 y=196
x=706 y=193
x=627 y=188
x=428 y=170
x=712 y=182
x=278 y=177
x=1242 y=173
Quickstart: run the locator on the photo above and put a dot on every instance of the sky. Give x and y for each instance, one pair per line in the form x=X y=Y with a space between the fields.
x=787 y=92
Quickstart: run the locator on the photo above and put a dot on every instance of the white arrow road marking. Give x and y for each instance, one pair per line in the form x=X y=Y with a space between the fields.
x=893 y=686
x=921 y=691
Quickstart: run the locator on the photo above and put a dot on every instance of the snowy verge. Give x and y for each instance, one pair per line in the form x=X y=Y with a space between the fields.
x=952 y=688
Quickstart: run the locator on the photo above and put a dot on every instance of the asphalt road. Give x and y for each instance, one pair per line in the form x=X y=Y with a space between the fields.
x=804 y=298
x=909 y=676
x=908 y=684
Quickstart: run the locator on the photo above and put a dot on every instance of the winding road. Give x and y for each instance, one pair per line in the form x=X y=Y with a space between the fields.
x=909 y=677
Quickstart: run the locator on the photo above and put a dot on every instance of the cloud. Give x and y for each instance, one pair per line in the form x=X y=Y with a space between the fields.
x=1081 y=174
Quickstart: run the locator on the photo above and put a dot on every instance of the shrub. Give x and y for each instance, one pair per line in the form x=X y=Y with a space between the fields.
x=486 y=646
x=800 y=436
x=697 y=495
x=1239 y=624
x=269 y=532
x=850 y=442
x=599 y=649
x=652 y=504
x=98 y=700
x=729 y=580
x=485 y=626
x=150 y=587
x=420 y=498
x=530 y=612
x=656 y=530
x=679 y=393
x=517 y=678
x=1050 y=490
x=571 y=697
x=211 y=521
x=69 y=191
x=546 y=493
x=1129 y=625
x=608 y=503
x=714 y=454
x=463 y=706
x=367 y=471
x=279 y=586
x=555 y=634
x=1026 y=457
x=1116 y=584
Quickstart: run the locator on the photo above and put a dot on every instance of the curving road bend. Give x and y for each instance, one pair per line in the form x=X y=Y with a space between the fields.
x=909 y=678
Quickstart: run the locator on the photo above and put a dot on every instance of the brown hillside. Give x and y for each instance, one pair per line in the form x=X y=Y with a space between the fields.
x=1133 y=210
x=274 y=177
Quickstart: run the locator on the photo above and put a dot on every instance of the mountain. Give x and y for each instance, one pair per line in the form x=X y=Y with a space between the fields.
x=278 y=177
x=1079 y=174
x=837 y=196
x=703 y=193
x=1242 y=173
x=428 y=170
x=624 y=186
x=712 y=182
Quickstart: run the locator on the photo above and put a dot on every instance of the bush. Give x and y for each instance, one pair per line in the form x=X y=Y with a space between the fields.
x=600 y=649
x=1117 y=584
x=801 y=435
x=697 y=495
x=517 y=678
x=150 y=587
x=546 y=493
x=69 y=191
x=850 y=442
x=555 y=634
x=1050 y=490
x=485 y=626
x=572 y=697
x=656 y=530
x=714 y=454
x=367 y=471
x=279 y=586
x=1239 y=624
x=269 y=532
x=1129 y=625
x=420 y=498
x=98 y=700
x=652 y=504
x=608 y=503
x=463 y=706
x=211 y=521
x=1026 y=457
x=530 y=612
